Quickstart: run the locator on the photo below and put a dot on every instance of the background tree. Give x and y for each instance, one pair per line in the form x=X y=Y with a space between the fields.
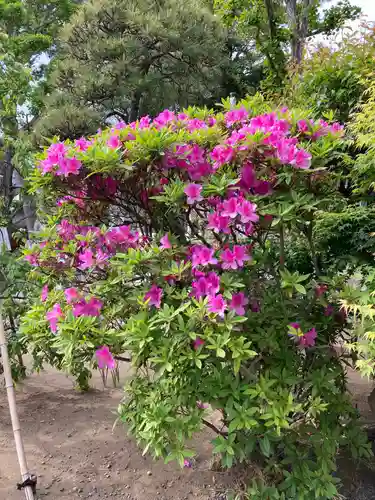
x=278 y=29
x=132 y=57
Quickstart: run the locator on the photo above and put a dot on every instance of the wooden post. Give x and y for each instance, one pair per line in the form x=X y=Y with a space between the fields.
x=13 y=412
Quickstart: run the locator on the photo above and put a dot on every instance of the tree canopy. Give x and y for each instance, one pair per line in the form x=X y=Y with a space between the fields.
x=131 y=57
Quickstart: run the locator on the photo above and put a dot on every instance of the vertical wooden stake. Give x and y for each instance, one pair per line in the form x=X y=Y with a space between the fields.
x=13 y=412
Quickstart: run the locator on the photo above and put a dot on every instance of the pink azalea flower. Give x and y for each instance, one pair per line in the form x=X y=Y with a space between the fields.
x=247 y=211
x=82 y=144
x=114 y=142
x=32 y=259
x=238 y=302
x=68 y=166
x=182 y=116
x=218 y=223
x=295 y=325
x=303 y=126
x=217 y=304
x=72 y=295
x=44 y=294
x=195 y=124
x=199 y=170
x=198 y=342
x=53 y=316
x=222 y=154
x=46 y=166
x=236 y=115
x=202 y=256
x=200 y=287
x=230 y=208
x=214 y=282
x=248 y=179
x=101 y=258
x=153 y=296
x=308 y=339
x=164 y=118
x=57 y=148
x=165 y=243
x=204 y=286
x=302 y=159
x=86 y=259
x=240 y=254
x=90 y=308
x=105 y=358
x=144 y=122
x=193 y=193
x=211 y=121
x=228 y=259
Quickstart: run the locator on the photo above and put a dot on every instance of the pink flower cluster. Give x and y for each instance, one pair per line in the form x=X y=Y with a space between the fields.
x=80 y=306
x=96 y=254
x=105 y=358
x=218 y=305
x=169 y=118
x=314 y=130
x=307 y=339
x=276 y=137
x=58 y=163
x=232 y=211
x=205 y=285
x=153 y=296
x=189 y=157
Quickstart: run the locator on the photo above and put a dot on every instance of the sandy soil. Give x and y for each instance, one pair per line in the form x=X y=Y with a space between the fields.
x=71 y=447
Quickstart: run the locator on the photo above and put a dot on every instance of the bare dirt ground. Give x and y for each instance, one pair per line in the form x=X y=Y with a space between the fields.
x=71 y=447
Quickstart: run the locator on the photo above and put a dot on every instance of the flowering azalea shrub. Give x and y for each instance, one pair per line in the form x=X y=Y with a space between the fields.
x=168 y=239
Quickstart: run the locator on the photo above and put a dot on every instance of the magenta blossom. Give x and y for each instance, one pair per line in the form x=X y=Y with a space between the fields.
x=308 y=339
x=187 y=463
x=240 y=254
x=230 y=208
x=198 y=342
x=228 y=259
x=217 y=304
x=90 y=308
x=165 y=244
x=53 y=316
x=68 y=166
x=218 y=223
x=221 y=155
x=204 y=286
x=234 y=259
x=105 y=358
x=153 y=296
x=202 y=256
x=72 y=295
x=32 y=259
x=82 y=144
x=86 y=259
x=238 y=302
x=247 y=211
x=193 y=193
x=101 y=258
x=114 y=142
x=44 y=294
x=235 y=116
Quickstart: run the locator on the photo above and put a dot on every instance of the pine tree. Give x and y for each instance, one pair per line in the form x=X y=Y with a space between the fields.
x=134 y=57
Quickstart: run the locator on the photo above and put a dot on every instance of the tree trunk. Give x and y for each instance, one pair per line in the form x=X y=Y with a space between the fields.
x=298 y=20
